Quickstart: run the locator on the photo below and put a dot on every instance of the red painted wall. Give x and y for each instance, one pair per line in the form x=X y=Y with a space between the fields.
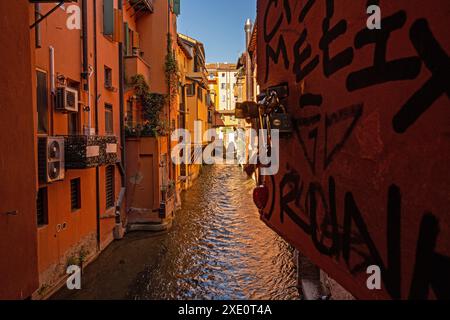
x=18 y=236
x=364 y=177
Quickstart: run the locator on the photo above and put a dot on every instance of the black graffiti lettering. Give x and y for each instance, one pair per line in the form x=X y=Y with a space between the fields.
x=353 y=112
x=275 y=55
x=383 y=71
x=355 y=244
x=268 y=36
x=372 y=2
x=291 y=183
x=269 y=214
x=391 y=274
x=344 y=58
x=438 y=62
x=330 y=219
x=272 y=54
x=307 y=122
x=309 y=99
x=305 y=10
x=287 y=10
x=352 y=214
x=431 y=269
x=301 y=56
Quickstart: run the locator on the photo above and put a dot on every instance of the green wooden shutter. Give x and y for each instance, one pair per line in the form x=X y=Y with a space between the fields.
x=108 y=17
x=177 y=7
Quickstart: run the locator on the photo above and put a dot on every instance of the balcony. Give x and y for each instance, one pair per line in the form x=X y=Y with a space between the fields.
x=199 y=76
x=84 y=152
x=135 y=65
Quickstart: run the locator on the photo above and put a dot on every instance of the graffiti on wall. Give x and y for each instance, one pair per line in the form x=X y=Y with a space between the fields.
x=358 y=95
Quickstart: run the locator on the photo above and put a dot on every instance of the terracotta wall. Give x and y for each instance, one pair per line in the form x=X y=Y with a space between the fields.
x=107 y=55
x=153 y=30
x=56 y=248
x=18 y=238
x=364 y=177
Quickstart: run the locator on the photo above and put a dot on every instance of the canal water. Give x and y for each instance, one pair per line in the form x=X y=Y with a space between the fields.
x=217 y=249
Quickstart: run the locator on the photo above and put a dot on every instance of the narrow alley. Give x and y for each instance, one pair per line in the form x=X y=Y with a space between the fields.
x=217 y=249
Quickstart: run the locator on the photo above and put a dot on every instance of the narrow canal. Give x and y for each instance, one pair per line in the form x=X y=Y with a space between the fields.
x=217 y=249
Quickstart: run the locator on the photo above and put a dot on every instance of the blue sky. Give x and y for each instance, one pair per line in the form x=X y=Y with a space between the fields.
x=219 y=24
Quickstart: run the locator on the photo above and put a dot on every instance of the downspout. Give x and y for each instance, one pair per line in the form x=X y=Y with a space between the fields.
x=85 y=45
x=97 y=169
x=52 y=86
x=86 y=74
x=37 y=30
x=122 y=128
x=169 y=51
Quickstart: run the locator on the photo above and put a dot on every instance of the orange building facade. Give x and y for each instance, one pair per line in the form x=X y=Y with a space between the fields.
x=78 y=83
x=198 y=107
x=150 y=43
x=68 y=102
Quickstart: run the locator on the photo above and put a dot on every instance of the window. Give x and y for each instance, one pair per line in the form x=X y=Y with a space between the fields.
x=42 y=102
x=108 y=17
x=190 y=91
x=223 y=75
x=210 y=117
x=110 y=190
x=200 y=94
x=176 y=7
x=42 y=207
x=224 y=99
x=75 y=194
x=108 y=77
x=109 y=121
x=223 y=86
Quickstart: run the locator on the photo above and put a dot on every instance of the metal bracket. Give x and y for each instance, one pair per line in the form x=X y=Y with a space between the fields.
x=42 y=18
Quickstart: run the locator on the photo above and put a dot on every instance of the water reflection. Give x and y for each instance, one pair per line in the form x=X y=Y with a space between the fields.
x=218 y=248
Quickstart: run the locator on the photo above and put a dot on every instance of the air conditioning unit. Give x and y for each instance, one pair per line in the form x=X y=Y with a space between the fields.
x=66 y=99
x=51 y=164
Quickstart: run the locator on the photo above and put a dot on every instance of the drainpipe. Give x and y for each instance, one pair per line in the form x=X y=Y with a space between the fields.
x=52 y=70
x=169 y=156
x=37 y=30
x=52 y=85
x=97 y=169
x=86 y=74
x=85 y=43
x=122 y=129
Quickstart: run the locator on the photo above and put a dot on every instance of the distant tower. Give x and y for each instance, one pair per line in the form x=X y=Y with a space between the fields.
x=248 y=65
